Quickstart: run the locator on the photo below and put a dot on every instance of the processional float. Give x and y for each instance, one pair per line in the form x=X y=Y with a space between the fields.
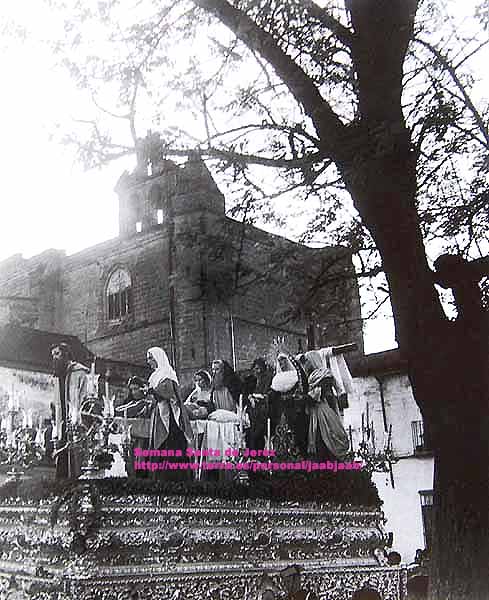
x=129 y=538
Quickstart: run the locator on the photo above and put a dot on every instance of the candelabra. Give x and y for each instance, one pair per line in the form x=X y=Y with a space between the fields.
x=98 y=452
x=242 y=476
x=127 y=447
x=379 y=461
x=18 y=447
x=375 y=458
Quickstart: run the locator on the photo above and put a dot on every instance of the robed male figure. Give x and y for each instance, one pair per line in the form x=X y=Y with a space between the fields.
x=71 y=391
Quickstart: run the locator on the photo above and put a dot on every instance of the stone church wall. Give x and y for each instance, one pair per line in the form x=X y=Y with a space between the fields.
x=86 y=277
x=192 y=270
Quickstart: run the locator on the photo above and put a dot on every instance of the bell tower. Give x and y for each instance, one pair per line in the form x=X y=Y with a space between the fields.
x=148 y=200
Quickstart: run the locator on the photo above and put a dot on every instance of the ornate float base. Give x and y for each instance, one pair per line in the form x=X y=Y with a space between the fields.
x=144 y=547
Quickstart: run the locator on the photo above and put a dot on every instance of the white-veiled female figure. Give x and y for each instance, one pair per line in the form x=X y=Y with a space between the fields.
x=327 y=437
x=170 y=425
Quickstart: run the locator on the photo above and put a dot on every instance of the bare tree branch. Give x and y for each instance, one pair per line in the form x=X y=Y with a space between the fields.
x=470 y=54
x=326 y=121
x=106 y=111
x=236 y=157
x=453 y=74
x=342 y=33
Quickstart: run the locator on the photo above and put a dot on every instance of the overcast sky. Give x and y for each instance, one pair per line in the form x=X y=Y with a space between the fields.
x=47 y=199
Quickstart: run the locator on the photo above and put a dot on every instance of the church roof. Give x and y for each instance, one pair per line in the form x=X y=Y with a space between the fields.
x=27 y=348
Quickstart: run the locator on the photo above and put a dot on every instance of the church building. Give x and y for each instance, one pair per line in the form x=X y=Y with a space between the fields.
x=184 y=276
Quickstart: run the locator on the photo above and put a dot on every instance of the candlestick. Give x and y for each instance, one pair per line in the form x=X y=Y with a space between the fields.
x=269 y=437
x=10 y=429
x=126 y=435
x=91 y=391
x=58 y=418
x=109 y=407
x=240 y=415
x=75 y=413
x=94 y=385
x=38 y=440
x=368 y=424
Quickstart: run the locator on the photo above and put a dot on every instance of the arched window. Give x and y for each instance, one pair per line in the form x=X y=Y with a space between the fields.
x=119 y=295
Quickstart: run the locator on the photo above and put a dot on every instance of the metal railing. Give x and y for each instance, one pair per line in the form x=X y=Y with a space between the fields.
x=420 y=444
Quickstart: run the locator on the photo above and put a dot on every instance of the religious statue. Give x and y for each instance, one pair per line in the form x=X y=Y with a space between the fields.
x=327 y=438
x=170 y=426
x=226 y=386
x=71 y=391
x=258 y=402
x=290 y=385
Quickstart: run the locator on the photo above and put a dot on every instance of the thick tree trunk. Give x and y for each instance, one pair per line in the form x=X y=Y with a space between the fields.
x=448 y=367
x=459 y=413
x=447 y=362
x=459 y=564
